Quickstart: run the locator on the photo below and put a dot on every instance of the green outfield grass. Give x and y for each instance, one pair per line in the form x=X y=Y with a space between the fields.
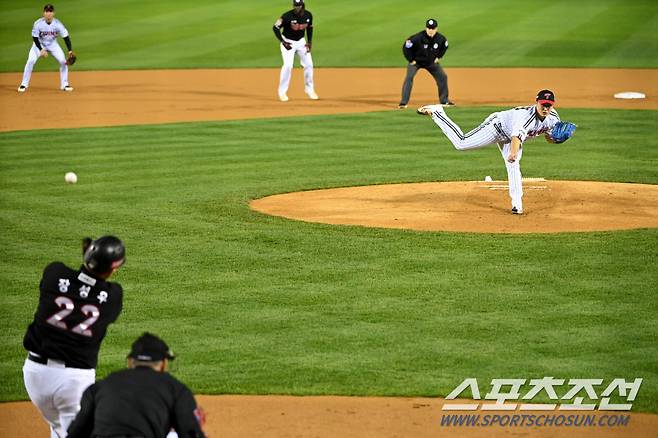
x=210 y=33
x=258 y=304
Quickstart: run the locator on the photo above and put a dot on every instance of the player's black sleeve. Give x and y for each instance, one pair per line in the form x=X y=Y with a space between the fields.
x=184 y=420
x=36 y=42
x=67 y=40
x=309 y=34
x=277 y=32
x=83 y=424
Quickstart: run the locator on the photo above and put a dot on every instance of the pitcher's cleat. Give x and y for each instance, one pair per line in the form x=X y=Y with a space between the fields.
x=428 y=110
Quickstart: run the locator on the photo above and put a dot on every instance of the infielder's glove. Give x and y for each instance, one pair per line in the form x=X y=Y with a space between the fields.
x=287 y=45
x=70 y=60
x=562 y=131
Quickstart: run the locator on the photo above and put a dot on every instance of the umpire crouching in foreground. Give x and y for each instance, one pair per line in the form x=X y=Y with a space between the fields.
x=143 y=401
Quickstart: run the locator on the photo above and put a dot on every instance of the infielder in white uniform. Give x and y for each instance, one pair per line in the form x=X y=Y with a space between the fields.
x=44 y=35
x=509 y=129
x=289 y=29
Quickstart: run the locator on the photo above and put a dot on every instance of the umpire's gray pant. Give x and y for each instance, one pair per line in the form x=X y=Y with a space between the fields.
x=437 y=73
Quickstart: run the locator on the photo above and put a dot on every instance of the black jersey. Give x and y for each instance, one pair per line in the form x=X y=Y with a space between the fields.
x=75 y=309
x=293 y=26
x=423 y=49
x=137 y=402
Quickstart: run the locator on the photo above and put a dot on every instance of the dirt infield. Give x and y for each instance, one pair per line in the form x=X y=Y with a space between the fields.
x=147 y=97
x=110 y=98
x=248 y=416
x=550 y=206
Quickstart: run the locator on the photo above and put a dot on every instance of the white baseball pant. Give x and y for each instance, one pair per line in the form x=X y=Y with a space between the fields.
x=489 y=132
x=56 y=391
x=305 y=59
x=33 y=56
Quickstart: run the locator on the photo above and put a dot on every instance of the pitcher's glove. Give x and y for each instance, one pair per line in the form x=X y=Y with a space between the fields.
x=70 y=60
x=562 y=131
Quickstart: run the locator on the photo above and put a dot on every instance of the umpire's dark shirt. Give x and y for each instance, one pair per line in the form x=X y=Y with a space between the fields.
x=138 y=402
x=423 y=49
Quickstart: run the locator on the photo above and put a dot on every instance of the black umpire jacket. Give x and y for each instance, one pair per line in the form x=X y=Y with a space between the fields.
x=138 y=402
x=423 y=49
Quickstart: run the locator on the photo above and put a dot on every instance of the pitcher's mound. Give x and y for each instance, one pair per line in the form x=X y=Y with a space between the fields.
x=549 y=206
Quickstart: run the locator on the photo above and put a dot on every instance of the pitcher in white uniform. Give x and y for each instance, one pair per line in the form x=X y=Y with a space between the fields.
x=508 y=129
x=44 y=37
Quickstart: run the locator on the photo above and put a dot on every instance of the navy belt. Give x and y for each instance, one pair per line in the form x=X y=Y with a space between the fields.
x=49 y=362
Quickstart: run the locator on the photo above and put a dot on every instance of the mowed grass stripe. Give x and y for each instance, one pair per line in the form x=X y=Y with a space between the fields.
x=259 y=304
x=227 y=34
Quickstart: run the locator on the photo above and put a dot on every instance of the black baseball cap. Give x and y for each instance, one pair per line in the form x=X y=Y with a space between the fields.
x=545 y=96
x=49 y=8
x=150 y=348
x=298 y=2
x=431 y=23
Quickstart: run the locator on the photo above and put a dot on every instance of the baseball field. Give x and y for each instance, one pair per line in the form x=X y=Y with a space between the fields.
x=304 y=319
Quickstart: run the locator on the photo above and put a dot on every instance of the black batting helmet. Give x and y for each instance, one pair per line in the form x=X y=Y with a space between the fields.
x=104 y=254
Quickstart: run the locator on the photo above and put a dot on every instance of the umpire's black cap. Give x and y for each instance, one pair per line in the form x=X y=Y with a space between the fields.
x=431 y=23
x=150 y=348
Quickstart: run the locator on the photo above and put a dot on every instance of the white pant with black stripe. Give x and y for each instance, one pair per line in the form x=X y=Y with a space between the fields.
x=489 y=132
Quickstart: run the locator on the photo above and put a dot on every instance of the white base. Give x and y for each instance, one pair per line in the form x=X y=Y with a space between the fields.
x=630 y=95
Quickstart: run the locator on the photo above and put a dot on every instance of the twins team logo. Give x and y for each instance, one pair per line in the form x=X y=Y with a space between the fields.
x=504 y=390
x=45 y=33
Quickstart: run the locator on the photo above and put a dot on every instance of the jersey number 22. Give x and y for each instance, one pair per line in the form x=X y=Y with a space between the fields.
x=67 y=306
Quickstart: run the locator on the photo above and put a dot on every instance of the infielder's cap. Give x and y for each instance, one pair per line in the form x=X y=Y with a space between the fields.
x=49 y=8
x=546 y=96
x=298 y=2
x=431 y=23
x=150 y=348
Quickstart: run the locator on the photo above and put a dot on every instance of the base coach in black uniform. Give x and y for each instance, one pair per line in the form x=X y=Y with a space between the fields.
x=143 y=401
x=424 y=50
x=75 y=308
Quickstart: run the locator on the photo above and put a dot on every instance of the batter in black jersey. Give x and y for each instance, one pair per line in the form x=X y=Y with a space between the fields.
x=423 y=50
x=142 y=401
x=290 y=29
x=75 y=308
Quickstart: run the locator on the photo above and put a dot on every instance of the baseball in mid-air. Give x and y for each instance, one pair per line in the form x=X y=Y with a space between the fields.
x=71 y=178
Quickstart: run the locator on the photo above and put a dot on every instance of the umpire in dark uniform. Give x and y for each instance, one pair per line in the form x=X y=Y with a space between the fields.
x=423 y=50
x=143 y=401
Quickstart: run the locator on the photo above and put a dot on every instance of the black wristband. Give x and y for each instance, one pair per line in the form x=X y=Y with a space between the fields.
x=37 y=43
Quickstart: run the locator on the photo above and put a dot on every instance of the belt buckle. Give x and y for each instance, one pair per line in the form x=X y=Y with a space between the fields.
x=55 y=363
